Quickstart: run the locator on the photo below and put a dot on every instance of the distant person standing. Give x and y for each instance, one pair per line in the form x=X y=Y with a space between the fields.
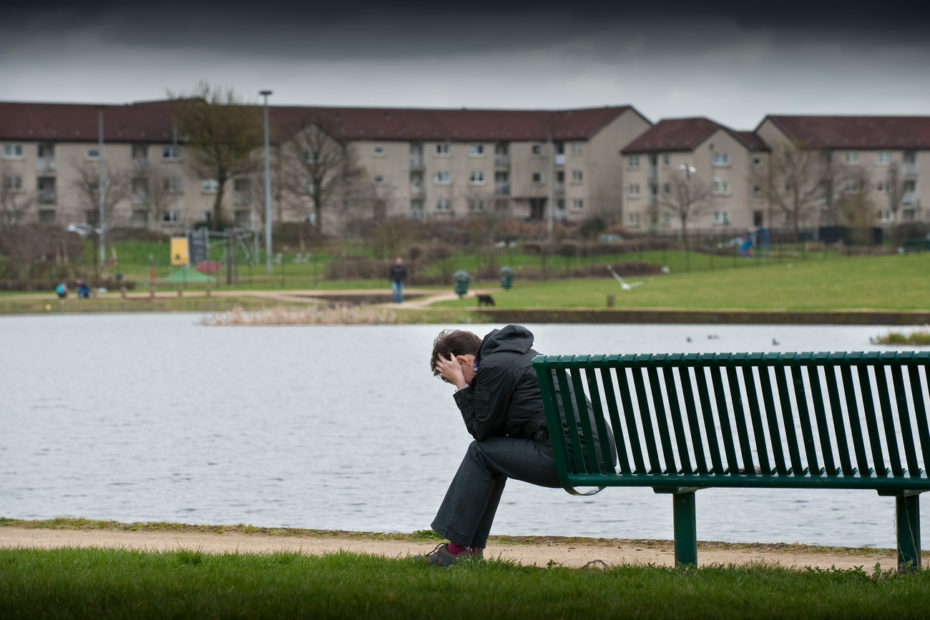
x=398 y=274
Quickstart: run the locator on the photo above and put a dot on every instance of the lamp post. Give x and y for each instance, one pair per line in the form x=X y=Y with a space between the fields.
x=100 y=185
x=265 y=94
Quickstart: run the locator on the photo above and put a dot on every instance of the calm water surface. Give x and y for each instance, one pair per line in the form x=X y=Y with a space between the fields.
x=155 y=417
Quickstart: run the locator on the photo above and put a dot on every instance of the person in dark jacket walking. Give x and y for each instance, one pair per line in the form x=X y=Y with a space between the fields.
x=398 y=274
x=497 y=393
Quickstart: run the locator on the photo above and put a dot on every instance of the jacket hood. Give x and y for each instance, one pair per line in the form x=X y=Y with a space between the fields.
x=511 y=339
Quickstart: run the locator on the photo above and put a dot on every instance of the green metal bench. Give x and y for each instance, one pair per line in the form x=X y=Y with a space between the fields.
x=785 y=420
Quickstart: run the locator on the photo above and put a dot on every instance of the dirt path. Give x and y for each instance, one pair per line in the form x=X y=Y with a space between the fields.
x=575 y=553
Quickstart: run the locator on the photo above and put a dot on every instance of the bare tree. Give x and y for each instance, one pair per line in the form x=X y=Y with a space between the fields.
x=153 y=190
x=852 y=201
x=320 y=165
x=14 y=199
x=685 y=195
x=87 y=184
x=223 y=136
x=798 y=181
x=894 y=186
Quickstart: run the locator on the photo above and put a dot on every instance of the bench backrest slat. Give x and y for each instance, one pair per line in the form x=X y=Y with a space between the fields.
x=723 y=418
x=820 y=419
x=630 y=417
x=804 y=417
x=668 y=374
x=734 y=373
x=855 y=427
x=920 y=412
x=907 y=433
x=687 y=393
x=820 y=413
x=871 y=421
x=839 y=425
x=757 y=426
x=661 y=419
x=788 y=421
x=891 y=436
x=614 y=412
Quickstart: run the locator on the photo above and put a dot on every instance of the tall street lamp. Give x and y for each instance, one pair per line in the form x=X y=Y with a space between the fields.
x=100 y=186
x=265 y=94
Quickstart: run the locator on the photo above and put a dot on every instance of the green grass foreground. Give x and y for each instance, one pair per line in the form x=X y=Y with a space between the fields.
x=92 y=583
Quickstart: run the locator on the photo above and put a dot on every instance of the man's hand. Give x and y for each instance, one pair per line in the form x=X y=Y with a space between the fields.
x=450 y=371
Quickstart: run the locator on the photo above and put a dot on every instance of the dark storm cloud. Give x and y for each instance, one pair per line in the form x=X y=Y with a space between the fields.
x=411 y=29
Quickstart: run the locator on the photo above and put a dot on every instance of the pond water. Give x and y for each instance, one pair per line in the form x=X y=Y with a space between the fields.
x=154 y=417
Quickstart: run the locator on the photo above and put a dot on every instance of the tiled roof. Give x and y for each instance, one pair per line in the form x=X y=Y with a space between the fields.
x=685 y=134
x=152 y=122
x=64 y=122
x=863 y=132
x=448 y=124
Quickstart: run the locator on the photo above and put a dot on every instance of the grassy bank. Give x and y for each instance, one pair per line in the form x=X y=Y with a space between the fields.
x=898 y=283
x=91 y=583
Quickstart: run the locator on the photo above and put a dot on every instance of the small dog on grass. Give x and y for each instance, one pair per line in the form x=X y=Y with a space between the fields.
x=485 y=300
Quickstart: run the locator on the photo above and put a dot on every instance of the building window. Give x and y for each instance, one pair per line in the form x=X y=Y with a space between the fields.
x=243 y=218
x=378 y=151
x=666 y=218
x=443 y=177
x=139 y=218
x=416 y=208
x=632 y=219
x=577 y=204
x=13 y=184
x=633 y=161
x=171 y=153
x=46 y=216
x=577 y=148
x=632 y=190
x=537 y=149
x=883 y=157
x=756 y=189
x=476 y=204
x=560 y=204
x=721 y=218
x=13 y=151
x=881 y=186
x=721 y=159
x=442 y=149
x=851 y=186
x=172 y=184
x=476 y=177
x=577 y=176
x=140 y=152
x=476 y=150
x=140 y=190
x=537 y=178
x=242 y=191
x=756 y=160
x=501 y=205
x=171 y=216
x=667 y=188
x=309 y=187
x=666 y=159
x=378 y=179
x=93 y=153
x=48 y=192
x=443 y=204
x=210 y=186
x=721 y=187
x=883 y=215
x=309 y=157
x=909 y=157
x=852 y=157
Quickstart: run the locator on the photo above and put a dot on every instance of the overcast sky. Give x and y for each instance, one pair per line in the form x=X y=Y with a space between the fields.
x=729 y=61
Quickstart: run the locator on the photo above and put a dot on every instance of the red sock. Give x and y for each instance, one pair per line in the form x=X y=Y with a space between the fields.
x=455 y=549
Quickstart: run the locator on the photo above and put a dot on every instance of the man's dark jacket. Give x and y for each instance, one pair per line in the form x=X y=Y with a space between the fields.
x=398 y=273
x=504 y=397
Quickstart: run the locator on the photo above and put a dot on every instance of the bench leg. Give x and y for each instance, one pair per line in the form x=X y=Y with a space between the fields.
x=685 y=519
x=908 y=524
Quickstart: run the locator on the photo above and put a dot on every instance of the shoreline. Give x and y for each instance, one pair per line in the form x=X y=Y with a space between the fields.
x=572 y=552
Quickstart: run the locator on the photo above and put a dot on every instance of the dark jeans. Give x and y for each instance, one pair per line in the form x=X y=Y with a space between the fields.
x=468 y=509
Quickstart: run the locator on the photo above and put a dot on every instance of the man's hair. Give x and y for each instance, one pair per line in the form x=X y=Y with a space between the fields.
x=453 y=342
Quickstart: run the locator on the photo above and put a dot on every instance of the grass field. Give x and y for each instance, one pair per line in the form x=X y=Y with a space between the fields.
x=94 y=583
x=880 y=282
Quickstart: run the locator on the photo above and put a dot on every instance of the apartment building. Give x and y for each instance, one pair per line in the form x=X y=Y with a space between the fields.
x=421 y=163
x=696 y=169
x=883 y=160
